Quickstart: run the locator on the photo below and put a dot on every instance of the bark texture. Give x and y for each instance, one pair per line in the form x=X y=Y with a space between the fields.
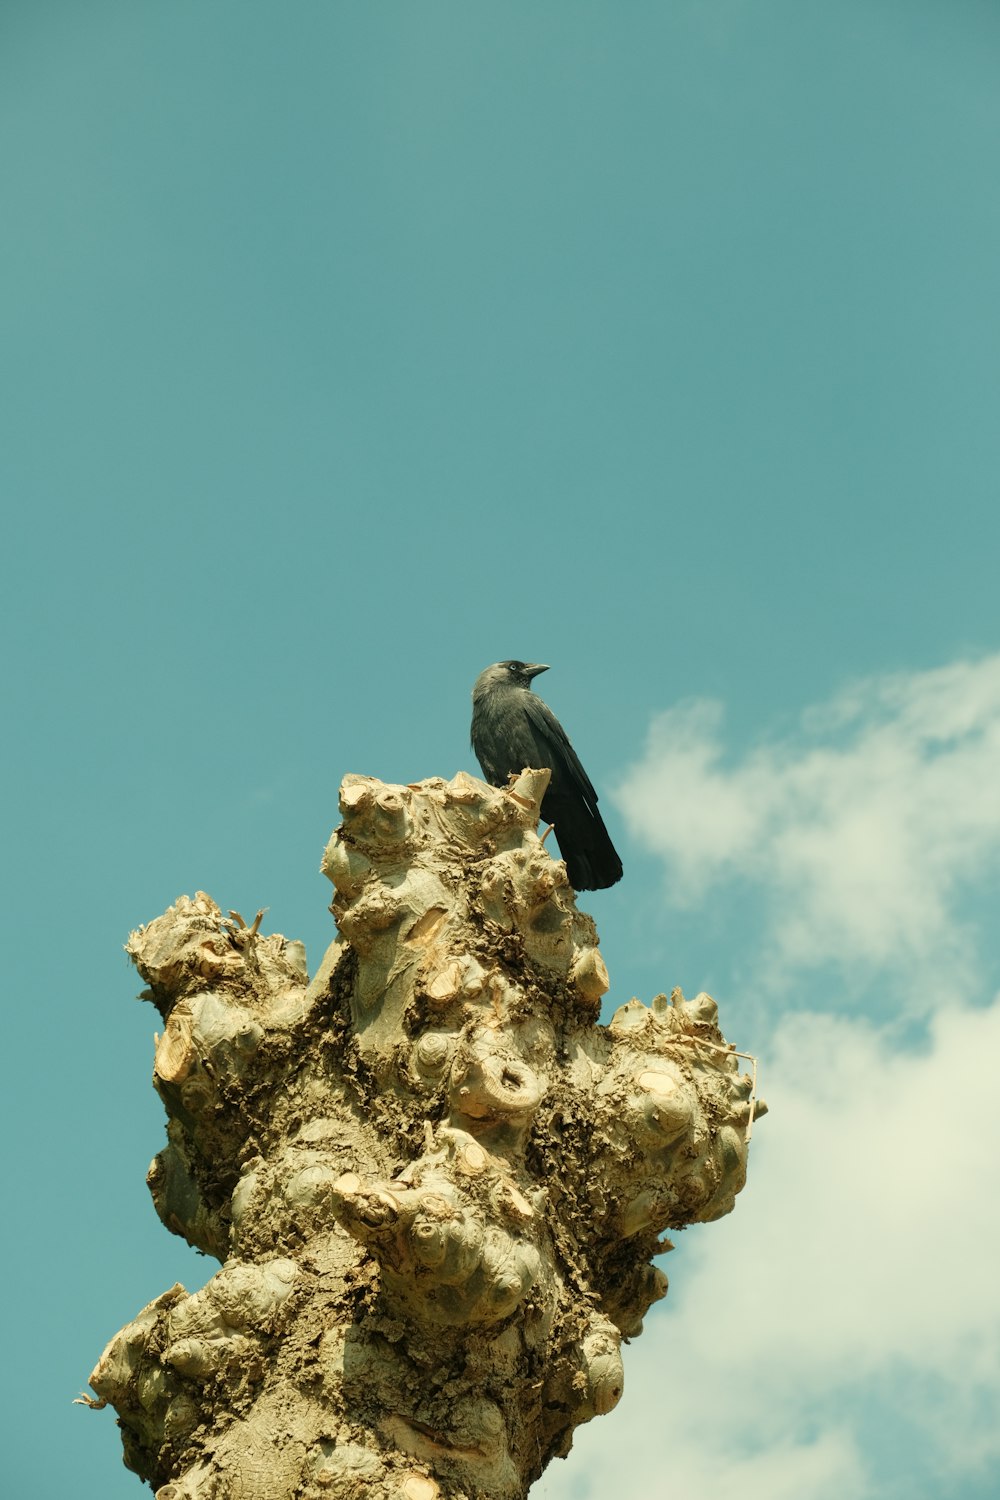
x=436 y=1185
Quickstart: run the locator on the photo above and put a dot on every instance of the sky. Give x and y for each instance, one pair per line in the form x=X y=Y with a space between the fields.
x=348 y=348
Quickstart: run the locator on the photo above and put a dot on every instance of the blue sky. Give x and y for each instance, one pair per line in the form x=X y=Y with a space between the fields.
x=348 y=348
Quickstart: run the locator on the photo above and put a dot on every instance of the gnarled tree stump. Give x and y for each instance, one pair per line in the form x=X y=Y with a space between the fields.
x=435 y=1184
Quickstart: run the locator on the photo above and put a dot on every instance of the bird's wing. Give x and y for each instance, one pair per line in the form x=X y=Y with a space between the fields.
x=495 y=773
x=558 y=753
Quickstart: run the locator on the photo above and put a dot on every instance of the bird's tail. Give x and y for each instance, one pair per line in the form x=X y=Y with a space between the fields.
x=592 y=861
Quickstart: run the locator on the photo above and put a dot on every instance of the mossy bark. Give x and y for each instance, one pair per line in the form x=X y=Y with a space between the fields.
x=436 y=1185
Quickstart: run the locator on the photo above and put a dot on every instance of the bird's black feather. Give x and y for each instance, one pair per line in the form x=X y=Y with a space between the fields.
x=512 y=728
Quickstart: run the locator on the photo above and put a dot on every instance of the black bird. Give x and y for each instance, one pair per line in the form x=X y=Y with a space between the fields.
x=512 y=728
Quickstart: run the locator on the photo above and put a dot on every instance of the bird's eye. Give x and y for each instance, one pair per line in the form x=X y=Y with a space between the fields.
x=516 y=666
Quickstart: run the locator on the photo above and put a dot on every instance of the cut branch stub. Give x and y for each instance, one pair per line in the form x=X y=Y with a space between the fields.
x=435 y=1183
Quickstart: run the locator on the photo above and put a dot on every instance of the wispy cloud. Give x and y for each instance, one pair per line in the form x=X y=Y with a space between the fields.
x=853 y=1286
x=863 y=829
x=840 y=1334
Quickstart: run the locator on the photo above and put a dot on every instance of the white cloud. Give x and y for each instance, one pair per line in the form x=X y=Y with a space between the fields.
x=839 y=1335
x=863 y=829
x=652 y=1455
x=855 y=1277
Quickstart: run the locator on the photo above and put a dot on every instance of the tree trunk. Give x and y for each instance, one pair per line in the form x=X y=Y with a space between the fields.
x=434 y=1182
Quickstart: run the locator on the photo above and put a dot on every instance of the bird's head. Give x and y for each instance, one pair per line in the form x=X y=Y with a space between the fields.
x=507 y=674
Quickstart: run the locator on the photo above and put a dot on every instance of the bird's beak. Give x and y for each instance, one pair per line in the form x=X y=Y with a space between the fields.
x=532 y=670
